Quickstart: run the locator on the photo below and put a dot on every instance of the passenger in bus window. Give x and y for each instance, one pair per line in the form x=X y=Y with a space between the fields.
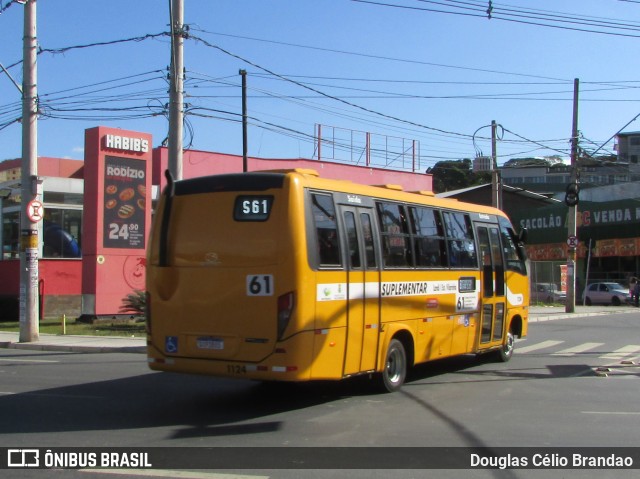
x=328 y=246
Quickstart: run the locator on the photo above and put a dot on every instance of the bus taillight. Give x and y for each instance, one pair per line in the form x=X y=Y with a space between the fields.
x=285 y=308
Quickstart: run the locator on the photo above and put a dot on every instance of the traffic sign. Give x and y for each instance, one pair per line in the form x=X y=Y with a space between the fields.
x=572 y=241
x=35 y=211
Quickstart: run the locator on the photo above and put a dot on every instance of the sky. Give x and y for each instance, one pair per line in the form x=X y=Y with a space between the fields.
x=409 y=75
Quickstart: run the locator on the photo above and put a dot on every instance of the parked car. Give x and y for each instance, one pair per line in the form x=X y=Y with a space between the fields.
x=547 y=293
x=606 y=293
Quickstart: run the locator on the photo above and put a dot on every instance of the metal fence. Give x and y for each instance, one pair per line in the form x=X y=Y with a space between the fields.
x=551 y=272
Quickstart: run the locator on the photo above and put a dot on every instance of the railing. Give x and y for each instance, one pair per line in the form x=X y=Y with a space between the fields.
x=362 y=148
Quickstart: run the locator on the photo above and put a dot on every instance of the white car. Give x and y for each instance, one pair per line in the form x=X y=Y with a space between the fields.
x=606 y=293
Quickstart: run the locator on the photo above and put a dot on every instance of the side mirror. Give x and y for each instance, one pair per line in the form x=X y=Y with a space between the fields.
x=522 y=236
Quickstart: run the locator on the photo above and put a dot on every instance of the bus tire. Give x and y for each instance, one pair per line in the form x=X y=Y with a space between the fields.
x=505 y=352
x=395 y=366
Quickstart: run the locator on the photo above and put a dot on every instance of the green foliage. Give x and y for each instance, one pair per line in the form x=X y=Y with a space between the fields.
x=457 y=174
x=103 y=328
x=134 y=303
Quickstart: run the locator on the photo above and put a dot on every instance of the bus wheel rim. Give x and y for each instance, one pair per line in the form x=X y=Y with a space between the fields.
x=395 y=366
x=508 y=347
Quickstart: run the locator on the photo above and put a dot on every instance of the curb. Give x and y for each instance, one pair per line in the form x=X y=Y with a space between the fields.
x=556 y=316
x=73 y=348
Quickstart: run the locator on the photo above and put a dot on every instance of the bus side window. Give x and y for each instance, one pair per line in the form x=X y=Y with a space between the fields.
x=369 y=248
x=429 y=237
x=353 y=247
x=396 y=242
x=460 y=240
x=515 y=262
x=326 y=230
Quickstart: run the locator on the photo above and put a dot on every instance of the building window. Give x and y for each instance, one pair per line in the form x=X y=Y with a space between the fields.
x=10 y=235
x=61 y=233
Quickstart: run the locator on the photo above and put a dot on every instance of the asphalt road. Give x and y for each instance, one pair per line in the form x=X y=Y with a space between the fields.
x=571 y=383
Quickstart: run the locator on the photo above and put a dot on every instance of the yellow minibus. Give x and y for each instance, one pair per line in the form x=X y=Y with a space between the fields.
x=286 y=276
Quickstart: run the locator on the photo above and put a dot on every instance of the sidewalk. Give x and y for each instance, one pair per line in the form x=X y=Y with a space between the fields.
x=82 y=344
x=111 y=344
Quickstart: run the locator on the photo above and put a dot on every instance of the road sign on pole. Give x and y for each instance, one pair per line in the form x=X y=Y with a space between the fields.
x=35 y=211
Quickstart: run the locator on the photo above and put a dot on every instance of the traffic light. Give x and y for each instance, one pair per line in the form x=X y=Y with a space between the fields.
x=571 y=198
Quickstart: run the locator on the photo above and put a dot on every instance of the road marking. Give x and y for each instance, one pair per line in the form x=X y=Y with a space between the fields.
x=61 y=396
x=622 y=352
x=613 y=413
x=18 y=359
x=577 y=349
x=171 y=473
x=535 y=347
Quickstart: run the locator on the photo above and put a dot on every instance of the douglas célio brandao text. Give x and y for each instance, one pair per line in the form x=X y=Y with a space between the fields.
x=551 y=460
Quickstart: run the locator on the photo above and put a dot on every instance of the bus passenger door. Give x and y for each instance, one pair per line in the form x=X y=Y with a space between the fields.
x=363 y=307
x=492 y=294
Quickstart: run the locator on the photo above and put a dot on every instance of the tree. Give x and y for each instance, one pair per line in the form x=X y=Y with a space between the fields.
x=456 y=174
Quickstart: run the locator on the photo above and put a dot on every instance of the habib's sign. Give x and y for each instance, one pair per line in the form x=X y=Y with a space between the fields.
x=125 y=143
x=116 y=217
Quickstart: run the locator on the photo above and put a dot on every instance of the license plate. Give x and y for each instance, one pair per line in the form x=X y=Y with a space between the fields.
x=210 y=343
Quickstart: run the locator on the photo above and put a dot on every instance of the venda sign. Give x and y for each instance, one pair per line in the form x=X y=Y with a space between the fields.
x=549 y=224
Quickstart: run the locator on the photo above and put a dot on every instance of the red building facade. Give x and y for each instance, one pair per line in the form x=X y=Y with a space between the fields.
x=98 y=216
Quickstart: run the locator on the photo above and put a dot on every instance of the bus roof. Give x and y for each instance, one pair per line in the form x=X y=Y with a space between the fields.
x=310 y=178
x=389 y=192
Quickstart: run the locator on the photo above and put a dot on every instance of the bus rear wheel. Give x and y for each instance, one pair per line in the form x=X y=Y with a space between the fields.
x=395 y=366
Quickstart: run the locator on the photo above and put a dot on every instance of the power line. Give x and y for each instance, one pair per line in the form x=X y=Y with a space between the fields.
x=57 y=51
x=3 y=8
x=380 y=57
x=522 y=17
x=302 y=85
x=78 y=104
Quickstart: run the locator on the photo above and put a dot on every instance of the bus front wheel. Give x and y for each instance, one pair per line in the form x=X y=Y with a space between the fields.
x=395 y=366
x=506 y=350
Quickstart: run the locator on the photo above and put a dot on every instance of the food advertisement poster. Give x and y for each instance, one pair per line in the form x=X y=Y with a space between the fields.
x=125 y=199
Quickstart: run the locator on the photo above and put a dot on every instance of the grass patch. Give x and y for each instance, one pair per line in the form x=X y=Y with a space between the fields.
x=101 y=328
x=544 y=304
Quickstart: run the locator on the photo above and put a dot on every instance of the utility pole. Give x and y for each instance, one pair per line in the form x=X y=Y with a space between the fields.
x=496 y=190
x=571 y=220
x=176 y=89
x=245 y=165
x=31 y=188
